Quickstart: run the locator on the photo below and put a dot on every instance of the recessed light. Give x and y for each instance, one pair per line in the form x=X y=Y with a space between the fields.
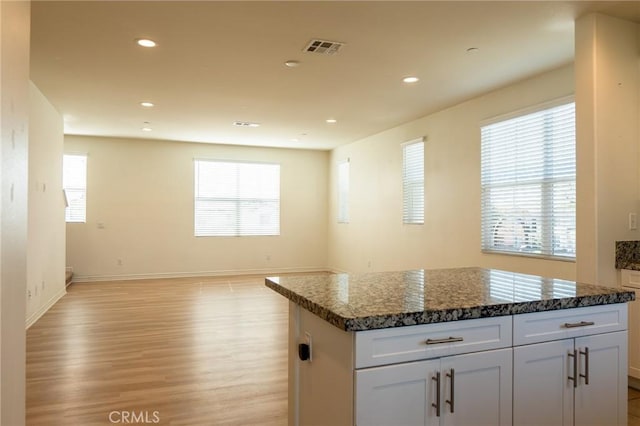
x=331 y=120
x=292 y=64
x=147 y=104
x=410 y=79
x=145 y=42
x=295 y=140
x=472 y=50
x=146 y=129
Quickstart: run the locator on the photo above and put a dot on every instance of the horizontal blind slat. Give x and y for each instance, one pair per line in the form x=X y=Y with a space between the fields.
x=528 y=183
x=236 y=198
x=413 y=183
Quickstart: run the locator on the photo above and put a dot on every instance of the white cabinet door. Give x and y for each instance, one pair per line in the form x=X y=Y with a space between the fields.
x=542 y=391
x=482 y=389
x=399 y=394
x=603 y=400
x=407 y=394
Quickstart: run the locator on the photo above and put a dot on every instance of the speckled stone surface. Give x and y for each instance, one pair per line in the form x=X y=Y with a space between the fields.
x=628 y=255
x=356 y=302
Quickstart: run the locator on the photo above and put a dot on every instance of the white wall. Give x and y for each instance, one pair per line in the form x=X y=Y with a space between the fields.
x=142 y=193
x=14 y=103
x=376 y=240
x=46 y=226
x=607 y=114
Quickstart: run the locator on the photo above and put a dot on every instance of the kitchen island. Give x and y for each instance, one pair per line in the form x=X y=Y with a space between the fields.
x=454 y=346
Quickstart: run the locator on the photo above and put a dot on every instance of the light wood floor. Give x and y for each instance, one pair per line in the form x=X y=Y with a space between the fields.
x=188 y=351
x=196 y=351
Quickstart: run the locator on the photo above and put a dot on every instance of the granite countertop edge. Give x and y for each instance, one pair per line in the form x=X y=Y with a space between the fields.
x=450 y=314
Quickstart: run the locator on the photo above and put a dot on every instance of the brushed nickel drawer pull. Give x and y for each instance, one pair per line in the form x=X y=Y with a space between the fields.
x=452 y=393
x=440 y=341
x=574 y=355
x=585 y=376
x=577 y=324
x=437 y=403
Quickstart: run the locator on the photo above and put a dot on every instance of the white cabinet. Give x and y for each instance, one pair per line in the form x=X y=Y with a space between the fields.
x=469 y=389
x=577 y=380
x=506 y=370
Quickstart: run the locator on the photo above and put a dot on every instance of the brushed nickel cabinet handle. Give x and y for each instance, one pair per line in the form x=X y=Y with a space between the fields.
x=574 y=355
x=452 y=392
x=446 y=340
x=586 y=365
x=437 y=403
x=577 y=324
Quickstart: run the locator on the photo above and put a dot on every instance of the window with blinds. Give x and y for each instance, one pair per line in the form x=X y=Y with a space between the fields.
x=528 y=178
x=343 y=192
x=74 y=183
x=413 y=182
x=236 y=198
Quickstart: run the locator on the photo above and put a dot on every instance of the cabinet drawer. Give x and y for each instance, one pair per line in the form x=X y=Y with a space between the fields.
x=411 y=343
x=567 y=323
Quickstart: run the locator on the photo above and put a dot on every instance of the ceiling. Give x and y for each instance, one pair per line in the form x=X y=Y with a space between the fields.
x=219 y=62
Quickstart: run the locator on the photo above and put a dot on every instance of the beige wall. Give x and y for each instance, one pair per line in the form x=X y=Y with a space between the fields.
x=376 y=240
x=46 y=226
x=141 y=191
x=607 y=108
x=14 y=104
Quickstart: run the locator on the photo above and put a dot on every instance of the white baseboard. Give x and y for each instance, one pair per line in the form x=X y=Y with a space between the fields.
x=44 y=308
x=126 y=277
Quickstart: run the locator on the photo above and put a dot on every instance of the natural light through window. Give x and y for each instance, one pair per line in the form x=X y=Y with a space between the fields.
x=529 y=183
x=413 y=182
x=236 y=198
x=74 y=183
x=343 y=192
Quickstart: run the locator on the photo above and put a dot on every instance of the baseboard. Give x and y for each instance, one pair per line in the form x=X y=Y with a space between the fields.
x=127 y=277
x=44 y=308
x=634 y=383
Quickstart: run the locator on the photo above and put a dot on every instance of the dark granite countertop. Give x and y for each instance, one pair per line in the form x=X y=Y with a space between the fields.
x=356 y=302
x=628 y=255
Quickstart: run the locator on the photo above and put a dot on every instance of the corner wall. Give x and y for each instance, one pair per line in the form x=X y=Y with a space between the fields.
x=14 y=105
x=376 y=239
x=140 y=213
x=46 y=225
x=607 y=116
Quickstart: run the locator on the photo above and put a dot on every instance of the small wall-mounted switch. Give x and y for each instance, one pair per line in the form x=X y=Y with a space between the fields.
x=633 y=221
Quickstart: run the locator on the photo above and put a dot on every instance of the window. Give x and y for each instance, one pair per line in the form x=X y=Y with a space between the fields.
x=529 y=183
x=74 y=183
x=413 y=182
x=236 y=198
x=343 y=192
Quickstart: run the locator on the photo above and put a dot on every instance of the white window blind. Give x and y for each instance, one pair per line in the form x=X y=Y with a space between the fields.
x=236 y=198
x=343 y=192
x=74 y=183
x=529 y=184
x=413 y=182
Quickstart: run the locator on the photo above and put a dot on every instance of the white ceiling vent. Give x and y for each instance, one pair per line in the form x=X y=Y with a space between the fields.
x=323 y=46
x=245 y=124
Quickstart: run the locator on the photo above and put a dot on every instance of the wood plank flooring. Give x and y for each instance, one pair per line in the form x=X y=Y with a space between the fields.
x=187 y=351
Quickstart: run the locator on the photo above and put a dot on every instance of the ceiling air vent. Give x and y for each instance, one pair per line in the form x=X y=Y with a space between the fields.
x=245 y=124
x=323 y=46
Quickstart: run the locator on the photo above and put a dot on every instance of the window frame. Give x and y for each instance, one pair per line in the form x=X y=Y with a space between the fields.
x=409 y=214
x=238 y=200
x=69 y=189
x=547 y=249
x=343 y=187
